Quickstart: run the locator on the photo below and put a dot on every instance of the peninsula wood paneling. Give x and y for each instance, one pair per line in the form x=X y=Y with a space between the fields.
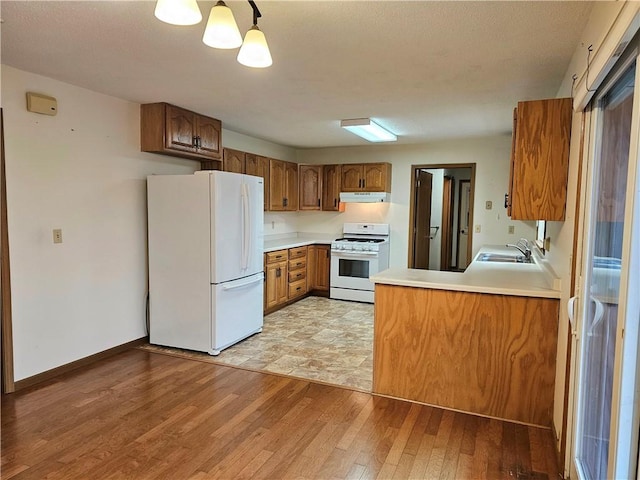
x=492 y=355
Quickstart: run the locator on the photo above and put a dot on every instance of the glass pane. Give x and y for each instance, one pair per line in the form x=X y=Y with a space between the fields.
x=354 y=268
x=604 y=263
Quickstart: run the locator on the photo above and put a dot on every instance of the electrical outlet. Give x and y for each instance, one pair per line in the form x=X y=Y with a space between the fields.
x=57 y=235
x=512 y=229
x=477 y=229
x=488 y=205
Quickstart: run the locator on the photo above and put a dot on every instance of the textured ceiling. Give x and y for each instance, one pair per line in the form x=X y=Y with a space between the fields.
x=426 y=70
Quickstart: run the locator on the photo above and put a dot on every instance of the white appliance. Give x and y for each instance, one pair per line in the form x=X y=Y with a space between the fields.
x=361 y=252
x=205 y=259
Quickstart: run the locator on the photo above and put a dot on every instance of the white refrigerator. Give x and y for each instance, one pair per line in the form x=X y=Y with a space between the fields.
x=205 y=259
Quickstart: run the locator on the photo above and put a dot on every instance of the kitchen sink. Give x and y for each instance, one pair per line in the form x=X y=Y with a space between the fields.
x=502 y=258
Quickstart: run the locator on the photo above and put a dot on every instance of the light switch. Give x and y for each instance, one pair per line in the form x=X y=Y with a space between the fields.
x=57 y=235
x=488 y=205
x=512 y=229
x=477 y=229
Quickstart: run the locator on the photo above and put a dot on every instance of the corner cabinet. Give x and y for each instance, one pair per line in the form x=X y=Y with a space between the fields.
x=539 y=160
x=366 y=177
x=319 y=265
x=175 y=131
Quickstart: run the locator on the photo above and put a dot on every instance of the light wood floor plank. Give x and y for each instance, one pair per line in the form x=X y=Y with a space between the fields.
x=143 y=415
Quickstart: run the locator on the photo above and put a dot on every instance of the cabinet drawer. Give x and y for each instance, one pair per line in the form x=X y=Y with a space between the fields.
x=298 y=264
x=297 y=288
x=297 y=252
x=276 y=256
x=297 y=275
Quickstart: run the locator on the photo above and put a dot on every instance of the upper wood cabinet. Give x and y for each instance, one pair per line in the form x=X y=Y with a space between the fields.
x=366 y=177
x=331 y=187
x=283 y=185
x=233 y=161
x=540 y=160
x=259 y=166
x=175 y=131
x=310 y=187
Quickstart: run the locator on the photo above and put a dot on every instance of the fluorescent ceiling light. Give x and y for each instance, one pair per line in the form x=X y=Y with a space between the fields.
x=368 y=129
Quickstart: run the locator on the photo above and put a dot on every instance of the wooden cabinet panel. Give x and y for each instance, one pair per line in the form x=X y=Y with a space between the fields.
x=318 y=268
x=331 y=187
x=377 y=177
x=297 y=252
x=259 y=166
x=175 y=131
x=233 y=161
x=297 y=275
x=209 y=134
x=276 y=256
x=366 y=177
x=296 y=289
x=277 y=185
x=277 y=284
x=351 y=178
x=291 y=189
x=493 y=355
x=541 y=159
x=310 y=187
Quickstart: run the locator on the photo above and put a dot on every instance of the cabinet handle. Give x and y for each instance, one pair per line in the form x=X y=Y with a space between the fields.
x=285 y=202
x=318 y=202
x=364 y=183
x=506 y=200
x=278 y=272
x=327 y=252
x=335 y=202
x=194 y=141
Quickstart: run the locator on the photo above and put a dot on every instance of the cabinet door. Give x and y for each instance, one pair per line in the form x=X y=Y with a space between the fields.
x=377 y=177
x=282 y=283
x=351 y=179
x=541 y=165
x=331 y=187
x=509 y=197
x=259 y=166
x=181 y=128
x=318 y=267
x=291 y=188
x=209 y=132
x=310 y=186
x=277 y=185
x=271 y=293
x=233 y=161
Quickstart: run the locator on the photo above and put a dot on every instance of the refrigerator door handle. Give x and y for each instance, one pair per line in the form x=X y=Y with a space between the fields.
x=241 y=285
x=246 y=227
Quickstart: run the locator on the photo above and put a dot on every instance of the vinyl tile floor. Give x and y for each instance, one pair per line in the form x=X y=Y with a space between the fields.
x=317 y=338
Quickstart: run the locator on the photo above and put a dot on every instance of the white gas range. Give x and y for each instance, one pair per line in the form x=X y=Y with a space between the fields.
x=362 y=251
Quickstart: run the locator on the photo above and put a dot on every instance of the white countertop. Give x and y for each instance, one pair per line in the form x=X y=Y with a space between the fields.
x=293 y=240
x=519 y=279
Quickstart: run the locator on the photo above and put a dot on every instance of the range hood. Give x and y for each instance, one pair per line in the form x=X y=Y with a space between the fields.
x=365 y=197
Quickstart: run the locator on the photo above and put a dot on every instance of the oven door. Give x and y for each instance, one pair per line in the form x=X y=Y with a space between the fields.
x=352 y=269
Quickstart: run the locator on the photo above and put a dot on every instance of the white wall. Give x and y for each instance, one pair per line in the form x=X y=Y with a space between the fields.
x=81 y=171
x=491 y=154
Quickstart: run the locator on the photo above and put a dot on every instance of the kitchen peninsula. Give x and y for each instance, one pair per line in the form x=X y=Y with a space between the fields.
x=483 y=341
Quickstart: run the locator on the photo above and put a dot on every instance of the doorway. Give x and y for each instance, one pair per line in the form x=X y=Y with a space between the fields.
x=440 y=215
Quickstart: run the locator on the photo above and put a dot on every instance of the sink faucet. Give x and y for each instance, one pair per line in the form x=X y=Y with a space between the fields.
x=523 y=246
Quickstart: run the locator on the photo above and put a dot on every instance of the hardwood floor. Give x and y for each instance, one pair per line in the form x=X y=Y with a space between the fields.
x=142 y=415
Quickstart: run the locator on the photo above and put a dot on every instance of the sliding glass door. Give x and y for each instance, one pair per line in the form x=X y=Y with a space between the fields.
x=605 y=442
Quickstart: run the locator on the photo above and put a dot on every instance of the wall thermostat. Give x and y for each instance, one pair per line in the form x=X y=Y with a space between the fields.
x=38 y=103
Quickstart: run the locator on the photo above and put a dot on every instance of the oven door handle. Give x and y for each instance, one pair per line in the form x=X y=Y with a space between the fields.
x=338 y=253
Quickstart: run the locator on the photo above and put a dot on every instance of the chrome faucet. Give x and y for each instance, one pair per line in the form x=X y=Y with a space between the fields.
x=523 y=247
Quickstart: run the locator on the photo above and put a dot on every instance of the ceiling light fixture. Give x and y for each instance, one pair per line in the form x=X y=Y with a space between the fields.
x=368 y=129
x=178 y=12
x=221 y=30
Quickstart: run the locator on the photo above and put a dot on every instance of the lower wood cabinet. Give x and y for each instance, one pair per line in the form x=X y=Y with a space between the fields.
x=319 y=262
x=290 y=274
x=276 y=290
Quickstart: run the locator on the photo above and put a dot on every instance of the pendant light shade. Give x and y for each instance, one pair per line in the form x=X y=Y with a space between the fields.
x=222 y=29
x=255 y=51
x=178 y=12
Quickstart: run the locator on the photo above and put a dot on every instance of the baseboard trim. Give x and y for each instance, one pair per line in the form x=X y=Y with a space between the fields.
x=83 y=362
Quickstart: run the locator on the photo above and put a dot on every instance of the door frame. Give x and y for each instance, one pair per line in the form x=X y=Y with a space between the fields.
x=8 y=383
x=448 y=201
x=412 y=202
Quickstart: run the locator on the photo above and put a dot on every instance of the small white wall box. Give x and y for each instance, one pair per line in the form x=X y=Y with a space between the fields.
x=38 y=103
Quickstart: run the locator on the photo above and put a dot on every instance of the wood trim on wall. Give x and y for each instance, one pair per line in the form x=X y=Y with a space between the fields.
x=83 y=362
x=6 y=331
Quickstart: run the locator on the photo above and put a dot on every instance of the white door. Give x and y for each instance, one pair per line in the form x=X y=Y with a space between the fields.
x=605 y=420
